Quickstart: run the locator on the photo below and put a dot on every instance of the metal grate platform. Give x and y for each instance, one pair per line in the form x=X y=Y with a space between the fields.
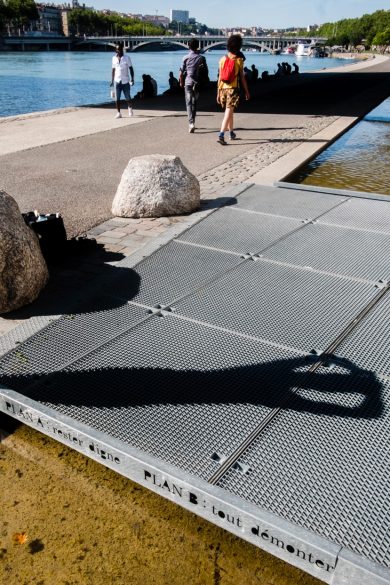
x=242 y=371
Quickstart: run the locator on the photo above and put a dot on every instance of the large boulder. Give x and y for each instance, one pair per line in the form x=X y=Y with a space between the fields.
x=23 y=270
x=156 y=185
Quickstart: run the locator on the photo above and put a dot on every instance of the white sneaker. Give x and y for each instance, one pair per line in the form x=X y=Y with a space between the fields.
x=191 y=129
x=131 y=113
x=119 y=115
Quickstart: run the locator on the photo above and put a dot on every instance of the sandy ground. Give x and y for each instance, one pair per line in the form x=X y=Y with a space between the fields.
x=86 y=525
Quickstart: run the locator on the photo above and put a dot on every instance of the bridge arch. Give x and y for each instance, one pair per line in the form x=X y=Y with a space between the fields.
x=102 y=43
x=140 y=46
x=214 y=45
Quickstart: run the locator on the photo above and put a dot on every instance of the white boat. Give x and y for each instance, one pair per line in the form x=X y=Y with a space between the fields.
x=304 y=49
x=309 y=50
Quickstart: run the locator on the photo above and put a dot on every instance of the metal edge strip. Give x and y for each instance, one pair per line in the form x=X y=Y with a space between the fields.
x=293 y=544
x=354 y=569
x=330 y=191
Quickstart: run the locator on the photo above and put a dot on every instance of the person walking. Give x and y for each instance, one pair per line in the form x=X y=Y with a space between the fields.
x=189 y=77
x=120 y=79
x=230 y=76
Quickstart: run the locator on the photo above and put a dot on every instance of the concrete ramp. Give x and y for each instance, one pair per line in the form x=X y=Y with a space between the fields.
x=242 y=371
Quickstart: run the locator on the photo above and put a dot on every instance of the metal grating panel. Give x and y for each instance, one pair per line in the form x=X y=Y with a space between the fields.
x=361 y=213
x=239 y=231
x=368 y=346
x=325 y=463
x=179 y=401
x=288 y=202
x=23 y=331
x=65 y=340
x=174 y=271
x=294 y=307
x=333 y=249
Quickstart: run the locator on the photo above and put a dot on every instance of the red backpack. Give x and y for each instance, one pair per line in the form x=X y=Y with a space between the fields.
x=228 y=70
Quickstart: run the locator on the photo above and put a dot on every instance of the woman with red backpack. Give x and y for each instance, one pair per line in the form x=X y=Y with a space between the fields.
x=230 y=77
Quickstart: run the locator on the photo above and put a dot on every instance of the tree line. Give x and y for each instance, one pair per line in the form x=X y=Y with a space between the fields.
x=17 y=13
x=368 y=30
x=91 y=23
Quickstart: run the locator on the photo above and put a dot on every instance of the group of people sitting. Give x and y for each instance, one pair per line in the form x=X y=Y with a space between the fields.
x=252 y=74
x=286 y=69
x=149 y=87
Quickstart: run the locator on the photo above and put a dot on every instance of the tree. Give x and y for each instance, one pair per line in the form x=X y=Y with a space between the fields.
x=4 y=15
x=17 y=13
x=90 y=22
x=382 y=39
x=356 y=30
x=23 y=10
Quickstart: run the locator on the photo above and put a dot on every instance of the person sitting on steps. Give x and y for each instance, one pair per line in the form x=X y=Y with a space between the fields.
x=147 y=87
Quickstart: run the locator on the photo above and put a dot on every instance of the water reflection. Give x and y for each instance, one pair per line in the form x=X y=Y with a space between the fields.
x=358 y=161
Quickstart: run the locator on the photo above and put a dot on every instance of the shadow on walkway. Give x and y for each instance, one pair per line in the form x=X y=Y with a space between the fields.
x=77 y=284
x=345 y=391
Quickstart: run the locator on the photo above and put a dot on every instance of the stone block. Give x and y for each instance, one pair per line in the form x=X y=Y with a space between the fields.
x=23 y=270
x=156 y=185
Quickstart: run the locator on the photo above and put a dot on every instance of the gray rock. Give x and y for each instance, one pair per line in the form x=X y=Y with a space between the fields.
x=23 y=270
x=156 y=185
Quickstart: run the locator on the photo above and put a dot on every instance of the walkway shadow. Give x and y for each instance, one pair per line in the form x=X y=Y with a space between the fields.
x=320 y=94
x=345 y=391
x=217 y=202
x=80 y=283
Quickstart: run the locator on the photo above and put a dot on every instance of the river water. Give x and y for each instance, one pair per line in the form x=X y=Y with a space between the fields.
x=37 y=81
x=358 y=161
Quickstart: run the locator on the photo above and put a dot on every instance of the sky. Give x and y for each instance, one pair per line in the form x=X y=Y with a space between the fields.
x=264 y=13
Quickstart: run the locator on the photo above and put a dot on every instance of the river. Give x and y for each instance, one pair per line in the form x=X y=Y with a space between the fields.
x=359 y=160
x=38 y=81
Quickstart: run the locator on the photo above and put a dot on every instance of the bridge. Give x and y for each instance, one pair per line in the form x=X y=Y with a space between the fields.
x=263 y=44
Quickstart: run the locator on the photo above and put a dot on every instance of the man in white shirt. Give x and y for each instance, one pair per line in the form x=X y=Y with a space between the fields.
x=120 y=79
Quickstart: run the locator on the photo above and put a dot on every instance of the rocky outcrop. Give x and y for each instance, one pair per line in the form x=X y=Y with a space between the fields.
x=156 y=185
x=23 y=270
